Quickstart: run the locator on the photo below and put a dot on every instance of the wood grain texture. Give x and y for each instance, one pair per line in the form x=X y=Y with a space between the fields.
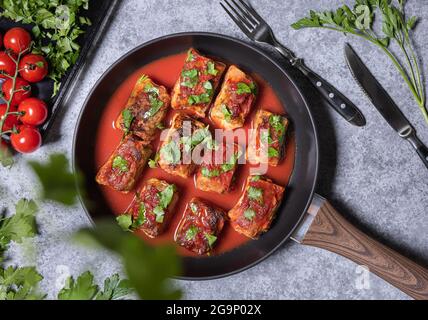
x=332 y=232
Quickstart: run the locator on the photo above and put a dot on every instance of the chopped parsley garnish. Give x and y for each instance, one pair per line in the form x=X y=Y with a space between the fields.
x=153 y=163
x=190 y=78
x=255 y=178
x=231 y=163
x=246 y=88
x=198 y=99
x=165 y=197
x=272 y=152
x=190 y=56
x=265 y=136
x=226 y=112
x=191 y=233
x=155 y=105
x=202 y=135
x=128 y=223
x=255 y=194
x=149 y=88
x=128 y=117
x=208 y=85
x=124 y=221
x=159 y=213
x=170 y=152
x=194 y=207
x=249 y=214
x=210 y=238
x=141 y=216
x=277 y=123
x=121 y=164
x=210 y=173
x=211 y=68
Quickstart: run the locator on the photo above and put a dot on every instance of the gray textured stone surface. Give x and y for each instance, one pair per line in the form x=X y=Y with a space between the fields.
x=371 y=175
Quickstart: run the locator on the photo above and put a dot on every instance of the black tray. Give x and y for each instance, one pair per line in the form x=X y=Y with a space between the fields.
x=99 y=12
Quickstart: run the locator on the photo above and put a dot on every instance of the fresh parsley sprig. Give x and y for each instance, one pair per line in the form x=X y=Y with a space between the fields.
x=396 y=28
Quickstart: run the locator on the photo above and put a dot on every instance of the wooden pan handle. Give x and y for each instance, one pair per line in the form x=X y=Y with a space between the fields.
x=330 y=231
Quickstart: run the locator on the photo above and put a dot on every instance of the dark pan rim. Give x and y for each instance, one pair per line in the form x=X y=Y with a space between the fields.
x=283 y=71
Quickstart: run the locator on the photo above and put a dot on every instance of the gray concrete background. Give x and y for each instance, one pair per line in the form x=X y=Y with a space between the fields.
x=373 y=177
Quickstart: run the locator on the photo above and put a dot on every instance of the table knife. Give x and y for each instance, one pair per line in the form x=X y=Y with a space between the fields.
x=384 y=103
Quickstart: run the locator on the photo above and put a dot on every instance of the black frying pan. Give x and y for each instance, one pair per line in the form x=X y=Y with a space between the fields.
x=300 y=190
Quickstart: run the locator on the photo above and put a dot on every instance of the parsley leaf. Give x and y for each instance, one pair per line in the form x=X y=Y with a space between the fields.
x=231 y=163
x=249 y=214
x=166 y=195
x=272 y=152
x=165 y=198
x=20 y=283
x=121 y=164
x=114 y=288
x=277 y=123
x=255 y=178
x=199 y=99
x=190 y=56
x=227 y=114
x=211 y=68
x=149 y=88
x=58 y=183
x=255 y=194
x=18 y=226
x=210 y=238
x=246 y=88
x=210 y=173
x=83 y=288
x=124 y=221
x=148 y=268
x=153 y=163
x=191 y=232
x=170 y=152
x=194 y=207
x=155 y=105
x=128 y=118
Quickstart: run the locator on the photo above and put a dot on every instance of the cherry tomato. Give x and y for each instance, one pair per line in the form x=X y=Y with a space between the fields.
x=33 y=68
x=17 y=39
x=11 y=120
x=7 y=65
x=34 y=111
x=22 y=90
x=26 y=140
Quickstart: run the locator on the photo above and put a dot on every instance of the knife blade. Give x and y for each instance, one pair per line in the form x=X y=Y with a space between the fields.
x=383 y=102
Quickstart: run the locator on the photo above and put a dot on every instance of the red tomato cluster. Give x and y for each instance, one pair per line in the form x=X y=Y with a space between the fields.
x=28 y=112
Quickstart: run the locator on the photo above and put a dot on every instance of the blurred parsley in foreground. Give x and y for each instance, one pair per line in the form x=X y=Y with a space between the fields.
x=148 y=268
x=58 y=182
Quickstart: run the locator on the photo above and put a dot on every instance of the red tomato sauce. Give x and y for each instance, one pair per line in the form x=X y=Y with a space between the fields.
x=165 y=72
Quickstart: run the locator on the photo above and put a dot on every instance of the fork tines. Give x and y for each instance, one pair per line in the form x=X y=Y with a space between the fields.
x=244 y=16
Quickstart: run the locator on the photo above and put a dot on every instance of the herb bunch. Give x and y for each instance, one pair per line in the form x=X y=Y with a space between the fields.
x=56 y=27
x=396 y=28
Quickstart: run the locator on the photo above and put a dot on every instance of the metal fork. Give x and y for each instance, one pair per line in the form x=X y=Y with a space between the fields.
x=253 y=25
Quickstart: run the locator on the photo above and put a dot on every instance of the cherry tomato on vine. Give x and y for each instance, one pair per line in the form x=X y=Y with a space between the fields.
x=17 y=39
x=33 y=67
x=34 y=111
x=11 y=120
x=7 y=65
x=22 y=90
x=27 y=139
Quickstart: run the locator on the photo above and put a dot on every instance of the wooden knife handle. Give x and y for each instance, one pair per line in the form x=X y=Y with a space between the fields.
x=330 y=231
